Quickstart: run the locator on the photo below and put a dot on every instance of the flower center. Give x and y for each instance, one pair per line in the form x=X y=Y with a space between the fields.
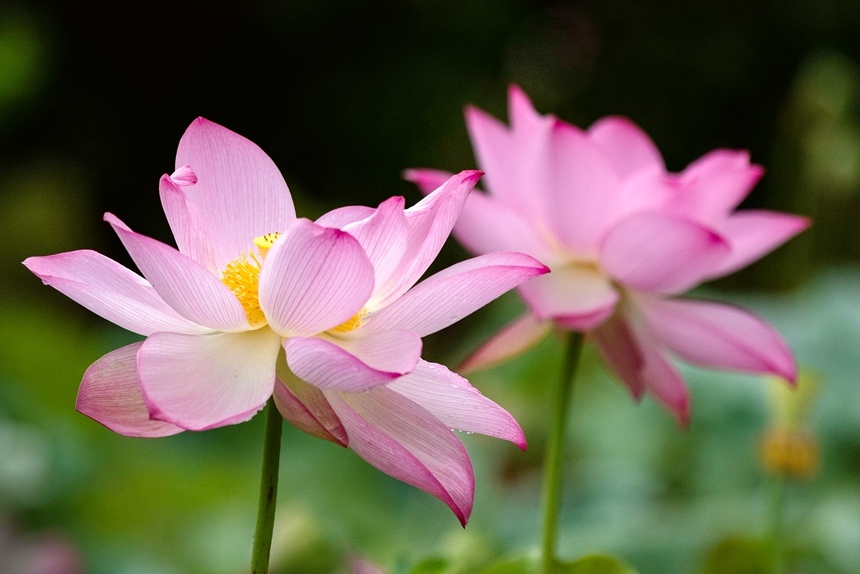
x=350 y=324
x=242 y=277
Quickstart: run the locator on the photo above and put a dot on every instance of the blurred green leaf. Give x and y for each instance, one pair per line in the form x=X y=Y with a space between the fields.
x=737 y=555
x=592 y=564
x=525 y=565
x=596 y=564
x=431 y=566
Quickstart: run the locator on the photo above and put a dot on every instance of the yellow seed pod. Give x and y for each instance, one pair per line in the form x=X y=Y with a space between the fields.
x=792 y=453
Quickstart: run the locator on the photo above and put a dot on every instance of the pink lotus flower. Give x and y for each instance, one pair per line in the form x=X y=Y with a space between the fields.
x=256 y=302
x=623 y=237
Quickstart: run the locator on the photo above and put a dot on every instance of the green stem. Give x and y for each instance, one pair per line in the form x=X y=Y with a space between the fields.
x=268 y=491
x=775 y=497
x=552 y=479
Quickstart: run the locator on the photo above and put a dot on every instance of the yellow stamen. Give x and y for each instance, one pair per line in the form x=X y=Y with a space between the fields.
x=351 y=324
x=265 y=242
x=242 y=277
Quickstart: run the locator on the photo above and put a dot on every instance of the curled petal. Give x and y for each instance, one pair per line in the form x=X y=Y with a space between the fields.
x=185 y=285
x=314 y=278
x=753 y=234
x=512 y=340
x=626 y=145
x=718 y=336
x=111 y=291
x=459 y=405
x=239 y=193
x=353 y=365
x=576 y=297
x=659 y=252
x=199 y=382
x=110 y=394
x=306 y=408
x=455 y=292
x=404 y=440
x=187 y=224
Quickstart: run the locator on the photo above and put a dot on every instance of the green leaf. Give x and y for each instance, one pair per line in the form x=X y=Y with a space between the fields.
x=593 y=564
x=596 y=564
x=431 y=566
x=513 y=566
x=737 y=555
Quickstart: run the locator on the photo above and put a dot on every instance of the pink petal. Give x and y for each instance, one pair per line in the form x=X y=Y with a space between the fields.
x=649 y=189
x=427 y=179
x=641 y=366
x=450 y=398
x=523 y=116
x=111 y=291
x=715 y=184
x=497 y=153
x=582 y=189
x=206 y=381
x=718 y=336
x=189 y=229
x=383 y=236
x=110 y=394
x=487 y=225
x=306 y=408
x=665 y=384
x=754 y=233
x=343 y=216
x=617 y=345
x=239 y=193
x=407 y=442
x=512 y=156
x=314 y=278
x=430 y=222
x=353 y=365
x=626 y=145
x=455 y=292
x=577 y=297
x=512 y=340
x=185 y=285
x=659 y=252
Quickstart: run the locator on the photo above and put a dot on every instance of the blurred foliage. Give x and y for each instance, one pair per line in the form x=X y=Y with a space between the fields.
x=343 y=96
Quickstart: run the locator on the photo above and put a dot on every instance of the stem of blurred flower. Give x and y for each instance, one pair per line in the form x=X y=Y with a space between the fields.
x=268 y=491
x=552 y=479
x=775 y=496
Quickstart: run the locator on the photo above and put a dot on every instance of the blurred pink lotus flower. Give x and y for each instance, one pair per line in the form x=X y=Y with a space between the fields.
x=622 y=237
x=256 y=302
x=37 y=553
